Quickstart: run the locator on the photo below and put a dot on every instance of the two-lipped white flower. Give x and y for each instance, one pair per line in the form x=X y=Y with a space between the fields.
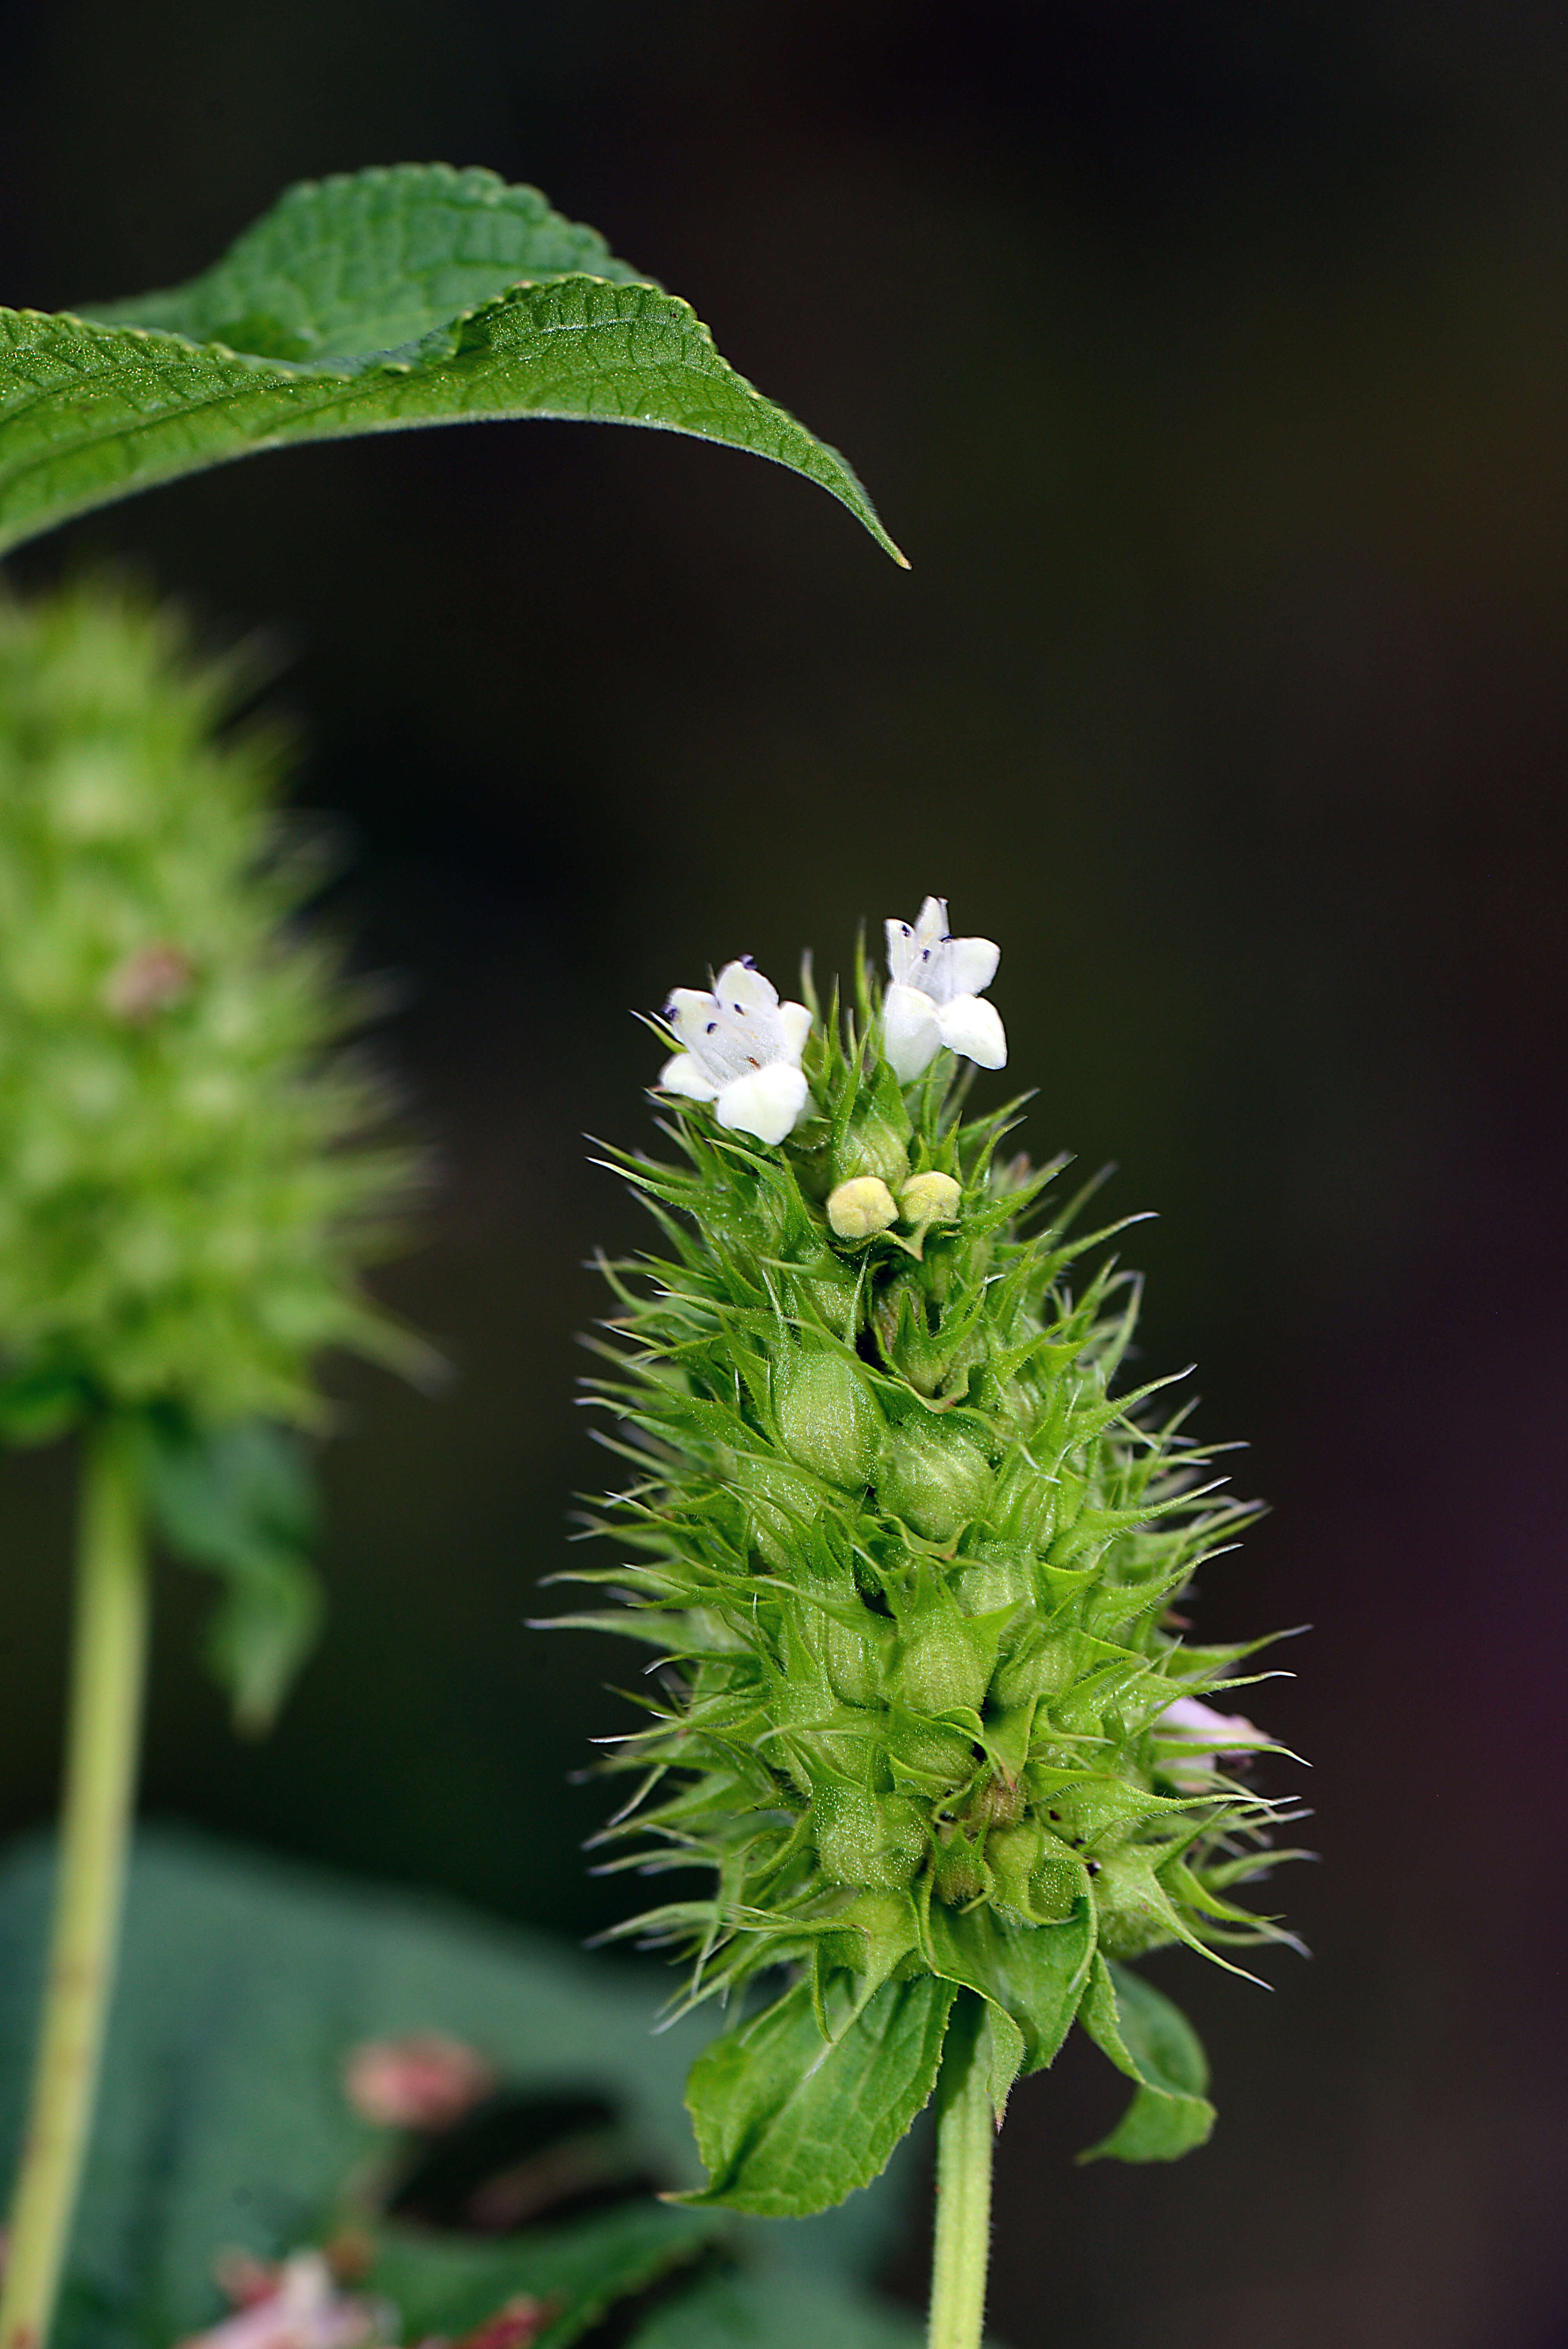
x=1188 y=1721
x=742 y=1051
x=935 y=996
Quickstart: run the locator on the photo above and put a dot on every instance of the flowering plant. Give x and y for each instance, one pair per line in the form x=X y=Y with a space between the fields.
x=927 y=1719
x=188 y=1194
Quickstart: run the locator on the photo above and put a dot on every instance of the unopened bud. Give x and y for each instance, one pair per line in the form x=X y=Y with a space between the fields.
x=934 y=1478
x=930 y=1198
x=959 y=1876
x=860 y=1209
x=942 y=1665
x=874 y=1840
x=827 y=1417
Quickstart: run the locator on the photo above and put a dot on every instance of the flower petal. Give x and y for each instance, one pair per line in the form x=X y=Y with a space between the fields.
x=796 y=1022
x=930 y=922
x=1189 y=1716
x=916 y=950
x=741 y=988
x=688 y=1011
x=971 y=965
x=766 y=1103
x=685 y=1074
x=911 y=1036
x=973 y=1026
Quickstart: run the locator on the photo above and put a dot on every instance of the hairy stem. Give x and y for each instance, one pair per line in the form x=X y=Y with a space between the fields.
x=109 y=1643
x=965 y=2133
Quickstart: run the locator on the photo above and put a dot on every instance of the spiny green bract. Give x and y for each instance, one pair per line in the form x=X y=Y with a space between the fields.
x=912 y=1565
x=184 y=1193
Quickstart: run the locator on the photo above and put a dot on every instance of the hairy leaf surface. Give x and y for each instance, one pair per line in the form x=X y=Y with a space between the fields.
x=789 y=2123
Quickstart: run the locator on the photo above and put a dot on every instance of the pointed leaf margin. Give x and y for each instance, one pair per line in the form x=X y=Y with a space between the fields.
x=95 y=408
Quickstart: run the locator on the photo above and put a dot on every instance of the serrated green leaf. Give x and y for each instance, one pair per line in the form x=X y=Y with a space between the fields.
x=240 y=1500
x=443 y=2285
x=1152 y=2041
x=371 y=303
x=789 y=2123
x=365 y=261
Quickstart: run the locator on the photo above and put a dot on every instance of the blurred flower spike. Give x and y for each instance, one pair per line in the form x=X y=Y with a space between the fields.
x=934 y=997
x=192 y=1174
x=741 y=1051
x=424 y=2082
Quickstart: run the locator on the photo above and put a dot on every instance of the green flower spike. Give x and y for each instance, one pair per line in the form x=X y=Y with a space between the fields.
x=926 y=1717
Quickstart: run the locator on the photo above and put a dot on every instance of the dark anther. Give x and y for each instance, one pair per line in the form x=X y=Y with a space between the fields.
x=1091 y=1867
x=711 y=1026
x=748 y=962
x=1053 y=1814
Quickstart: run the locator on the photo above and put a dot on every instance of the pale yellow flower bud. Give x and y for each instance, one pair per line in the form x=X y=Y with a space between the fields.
x=860 y=1209
x=930 y=1198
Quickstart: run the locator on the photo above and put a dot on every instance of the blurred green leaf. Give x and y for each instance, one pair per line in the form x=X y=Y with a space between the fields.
x=446 y=2285
x=1153 y=2043
x=413 y=296
x=752 y=2312
x=38 y=1404
x=243 y=1984
x=242 y=1500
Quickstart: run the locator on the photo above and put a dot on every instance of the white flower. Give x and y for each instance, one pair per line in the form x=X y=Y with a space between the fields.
x=742 y=1051
x=934 y=997
x=1188 y=1721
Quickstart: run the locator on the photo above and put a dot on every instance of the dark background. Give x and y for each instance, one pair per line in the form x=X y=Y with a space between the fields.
x=1210 y=361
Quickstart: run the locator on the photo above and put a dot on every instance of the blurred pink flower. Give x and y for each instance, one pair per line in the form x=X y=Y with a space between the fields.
x=301 y=2310
x=424 y=2081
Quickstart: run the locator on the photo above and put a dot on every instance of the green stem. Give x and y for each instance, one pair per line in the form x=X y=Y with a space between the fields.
x=966 y=2134
x=109 y=1644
